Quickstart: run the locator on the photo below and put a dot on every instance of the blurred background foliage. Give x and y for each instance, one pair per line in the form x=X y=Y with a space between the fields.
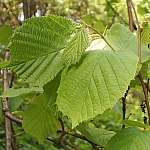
x=100 y=14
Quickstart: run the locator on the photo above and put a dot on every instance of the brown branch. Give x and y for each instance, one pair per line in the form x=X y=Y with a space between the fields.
x=5 y=106
x=71 y=145
x=29 y=8
x=57 y=142
x=81 y=137
x=145 y=91
x=130 y=16
x=148 y=87
x=13 y=118
x=61 y=138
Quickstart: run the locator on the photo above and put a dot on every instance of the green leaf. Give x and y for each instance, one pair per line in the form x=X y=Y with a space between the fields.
x=4 y=64
x=145 y=35
x=75 y=48
x=15 y=102
x=38 y=120
x=131 y=123
x=98 y=136
x=130 y=139
x=94 y=85
x=5 y=32
x=21 y=91
x=146 y=69
x=120 y=38
x=37 y=47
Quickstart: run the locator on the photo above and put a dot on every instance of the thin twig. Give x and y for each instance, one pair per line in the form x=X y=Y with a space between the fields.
x=58 y=143
x=13 y=118
x=61 y=138
x=100 y=34
x=115 y=12
x=145 y=88
x=145 y=91
x=136 y=17
x=5 y=106
x=130 y=16
x=71 y=145
x=124 y=105
x=80 y=137
x=139 y=30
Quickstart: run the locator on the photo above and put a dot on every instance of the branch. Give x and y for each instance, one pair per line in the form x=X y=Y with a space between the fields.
x=81 y=137
x=130 y=16
x=139 y=30
x=145 y=91
x=124 y=105
x=5 y=107
x=55 y=141
x=101 y=35
x=115 y=12
x=13 y=118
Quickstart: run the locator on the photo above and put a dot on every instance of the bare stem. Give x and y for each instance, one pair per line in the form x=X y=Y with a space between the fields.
x=100 y=34
x=145 y=91
x=124 y=105
x=130 y=16
x=5 y=106
x=138 y=31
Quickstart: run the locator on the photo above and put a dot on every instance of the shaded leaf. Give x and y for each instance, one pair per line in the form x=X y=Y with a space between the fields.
x=130 y=139
x=98 y=136
x=21 y=91
x=38 y=120
x=5 y=32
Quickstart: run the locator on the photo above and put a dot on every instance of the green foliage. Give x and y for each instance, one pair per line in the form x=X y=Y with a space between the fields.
x=90 y=88
x=98 y=136
x=145 y=35
x=39 y=119
x=5 y=32
x=131 y=123
x=76 y=47
x=37 y=48
x=120 y=38
x=21 y=91
x=130 y=139
x=61 y=71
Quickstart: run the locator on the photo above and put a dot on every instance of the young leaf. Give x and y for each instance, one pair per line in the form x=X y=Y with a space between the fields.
x=130 y=139
x=93 y=86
